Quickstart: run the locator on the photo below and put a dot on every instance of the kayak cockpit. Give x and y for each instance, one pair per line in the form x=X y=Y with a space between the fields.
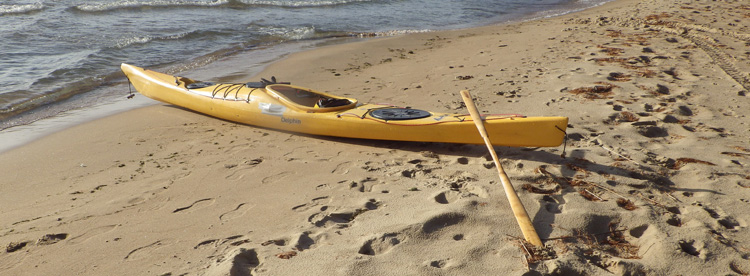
x=308 y=100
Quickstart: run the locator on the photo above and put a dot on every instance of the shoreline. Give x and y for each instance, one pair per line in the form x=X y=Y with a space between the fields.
x=654 y=180
x=19 y=135
x=40 y=124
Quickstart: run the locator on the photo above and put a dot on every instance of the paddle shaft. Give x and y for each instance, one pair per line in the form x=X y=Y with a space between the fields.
x=527 y=228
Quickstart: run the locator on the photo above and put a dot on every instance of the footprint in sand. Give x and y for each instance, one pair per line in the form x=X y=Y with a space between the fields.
x=385 y=242
x=381 y=244
x=280 y=177
x=325 y=186
x=314 y=202
x=235 y=240
x=364 y=185
x=305 y=241
x=198 y=204
x=237 y=212
x=438 y=222
x=47 y=239
x=478 y=190
x=145 y=251
x=206 y=242
x=147 y=201
x=692 y=247
x=324 y=219
x=447 y=197
x=442 y=264
x=372 y=204
x=343 y=168
x=722 y=218
x=240 y=261
x=553 y=204
x=240 y=171
x=637 y=232
x=674 y=220
x=51 y=239
x=340 y=218
x=92 y=233
x=15 y=246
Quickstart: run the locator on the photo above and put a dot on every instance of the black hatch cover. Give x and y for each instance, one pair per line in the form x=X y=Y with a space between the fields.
x=399 y=114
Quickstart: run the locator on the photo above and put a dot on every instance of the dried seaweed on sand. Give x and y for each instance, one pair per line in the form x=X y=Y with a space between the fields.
x=601 y=90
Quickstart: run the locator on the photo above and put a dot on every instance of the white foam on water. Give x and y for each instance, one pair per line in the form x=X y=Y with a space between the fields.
x=131 y=4
x=20 y=9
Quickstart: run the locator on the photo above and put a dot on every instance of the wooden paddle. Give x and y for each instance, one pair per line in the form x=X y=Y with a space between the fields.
x=527 y=228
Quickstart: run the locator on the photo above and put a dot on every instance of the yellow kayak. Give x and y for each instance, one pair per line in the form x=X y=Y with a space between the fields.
x=291 y=108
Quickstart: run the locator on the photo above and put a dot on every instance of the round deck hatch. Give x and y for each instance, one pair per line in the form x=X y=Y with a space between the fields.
x=399 y=114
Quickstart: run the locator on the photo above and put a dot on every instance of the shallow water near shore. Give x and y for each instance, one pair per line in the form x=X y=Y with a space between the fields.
x=111 y=99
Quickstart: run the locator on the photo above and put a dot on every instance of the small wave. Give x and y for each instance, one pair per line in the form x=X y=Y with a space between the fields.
x=20 y=9
x=300 y=4
x=285 y=33
x=129 y=41
x=134 y=4
x=301 y=33
x=390 y=33
x=572 y=7
x=593 y=3
x=130 y=4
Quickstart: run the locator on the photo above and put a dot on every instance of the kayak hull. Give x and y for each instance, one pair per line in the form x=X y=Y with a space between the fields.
x=288 y=108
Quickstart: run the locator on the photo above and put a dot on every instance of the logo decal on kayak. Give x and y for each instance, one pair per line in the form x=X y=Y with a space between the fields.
x=290 y=120
x=440 y=118
x=271 y=109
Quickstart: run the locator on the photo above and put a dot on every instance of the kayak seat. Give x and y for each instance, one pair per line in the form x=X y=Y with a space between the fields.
x=309 y=100
x=331 y=102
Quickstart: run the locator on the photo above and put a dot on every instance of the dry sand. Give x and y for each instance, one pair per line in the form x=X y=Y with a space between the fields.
x=655 y=180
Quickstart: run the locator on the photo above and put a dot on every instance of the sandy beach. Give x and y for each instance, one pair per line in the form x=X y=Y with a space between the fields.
x=655 y=177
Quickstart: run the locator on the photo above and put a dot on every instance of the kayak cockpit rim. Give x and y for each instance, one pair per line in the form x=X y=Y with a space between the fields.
x=307 y=100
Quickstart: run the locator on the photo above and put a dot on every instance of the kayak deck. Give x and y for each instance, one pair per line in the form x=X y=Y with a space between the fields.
x=297 y=109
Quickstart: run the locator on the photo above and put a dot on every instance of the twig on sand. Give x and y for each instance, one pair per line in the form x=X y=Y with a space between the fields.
x=736 y=268
x=624 y=157
x=534 y=254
